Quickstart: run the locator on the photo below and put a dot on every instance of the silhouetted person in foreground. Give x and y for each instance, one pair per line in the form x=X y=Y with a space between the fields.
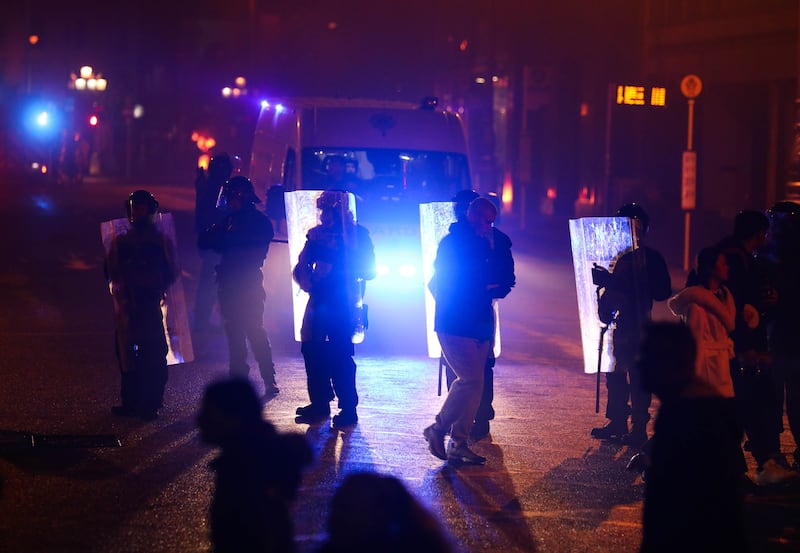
x=372 y=512
x=693 y=500
x=258 y=472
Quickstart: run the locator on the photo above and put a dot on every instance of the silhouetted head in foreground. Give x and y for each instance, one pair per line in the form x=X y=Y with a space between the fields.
x=373 y=512
x=230 y=408
x=667 y=358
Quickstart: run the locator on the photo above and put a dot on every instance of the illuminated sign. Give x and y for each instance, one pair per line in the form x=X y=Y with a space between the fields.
x=639 y=95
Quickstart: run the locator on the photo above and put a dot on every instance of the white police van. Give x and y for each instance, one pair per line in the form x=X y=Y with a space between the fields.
x=391 y=155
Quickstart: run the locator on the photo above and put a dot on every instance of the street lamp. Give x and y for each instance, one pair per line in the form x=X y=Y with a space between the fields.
x=238 y=88
x=87 y=79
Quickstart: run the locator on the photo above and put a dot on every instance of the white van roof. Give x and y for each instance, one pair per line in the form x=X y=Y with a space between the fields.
x=353 y=123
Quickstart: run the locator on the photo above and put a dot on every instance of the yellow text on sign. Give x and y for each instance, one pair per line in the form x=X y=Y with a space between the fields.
x=637 y=95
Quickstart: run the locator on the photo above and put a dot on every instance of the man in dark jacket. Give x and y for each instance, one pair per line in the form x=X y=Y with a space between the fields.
x=333 y=267
x=638 y=278
x=753 y=378
x=501 y=265
x=464 y=323
x=141 y=266
x=242 y=239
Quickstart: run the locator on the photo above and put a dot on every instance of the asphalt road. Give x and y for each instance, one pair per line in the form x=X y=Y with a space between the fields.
x=547 y=485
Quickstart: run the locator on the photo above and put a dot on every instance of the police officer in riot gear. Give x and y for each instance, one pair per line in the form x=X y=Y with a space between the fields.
x=639 y=278
x=242 y=239
x=207 y=186
x=140 y=268
x=337 y=259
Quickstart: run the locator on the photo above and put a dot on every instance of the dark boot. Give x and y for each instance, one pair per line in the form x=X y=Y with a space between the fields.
x=312 y=414
x=613 y=430
x=636 y=437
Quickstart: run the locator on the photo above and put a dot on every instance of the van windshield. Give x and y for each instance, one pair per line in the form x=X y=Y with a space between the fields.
x=381 y=177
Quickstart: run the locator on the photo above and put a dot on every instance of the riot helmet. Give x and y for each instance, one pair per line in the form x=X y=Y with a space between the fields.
x=334 y=207
x=462 y=200
x=220 y=168
x=141 y=206
x=784 y=218
x=637 y=212
x=237 y=188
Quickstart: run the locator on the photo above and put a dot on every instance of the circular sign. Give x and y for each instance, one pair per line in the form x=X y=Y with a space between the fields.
x=691 y=86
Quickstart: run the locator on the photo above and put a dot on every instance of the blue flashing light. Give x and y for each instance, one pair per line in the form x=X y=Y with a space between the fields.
x=41 y=120
x=44 y=203
x=279 y=108
x=264 y=104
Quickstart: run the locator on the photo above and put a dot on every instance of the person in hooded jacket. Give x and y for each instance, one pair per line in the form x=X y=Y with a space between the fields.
x=462 y=286
x=708 y=308
x=501 y=266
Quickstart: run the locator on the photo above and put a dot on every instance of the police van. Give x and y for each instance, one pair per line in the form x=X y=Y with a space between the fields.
x=392 y=156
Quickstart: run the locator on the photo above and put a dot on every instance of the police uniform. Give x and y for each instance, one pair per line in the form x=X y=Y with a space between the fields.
x=141 y=268
x=337 y=258
x=242 y=239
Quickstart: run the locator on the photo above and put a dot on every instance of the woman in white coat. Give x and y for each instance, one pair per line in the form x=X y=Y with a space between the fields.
x=707 y=307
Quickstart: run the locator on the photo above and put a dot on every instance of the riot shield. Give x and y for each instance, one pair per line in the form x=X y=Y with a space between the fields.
x=597 y=242
x=173 y=308
x=301 y=216
x=435 y=219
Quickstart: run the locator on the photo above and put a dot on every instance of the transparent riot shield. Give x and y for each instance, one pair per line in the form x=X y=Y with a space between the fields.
x=173 y=308
x=435 y=219
x=597 y=242
x=301 y=216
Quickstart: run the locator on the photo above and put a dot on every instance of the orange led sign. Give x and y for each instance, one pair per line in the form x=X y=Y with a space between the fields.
x=638 y=95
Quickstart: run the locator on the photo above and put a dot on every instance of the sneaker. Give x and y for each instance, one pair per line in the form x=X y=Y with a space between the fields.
x=435 y=438
x=480 y=429
x=271 y=389
x=772 y=473
x=344 y=419
x=613 y=430
x=460 y=453
x=638 y=463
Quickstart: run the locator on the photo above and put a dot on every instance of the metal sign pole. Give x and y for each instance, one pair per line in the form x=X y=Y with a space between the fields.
x=691 y=85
